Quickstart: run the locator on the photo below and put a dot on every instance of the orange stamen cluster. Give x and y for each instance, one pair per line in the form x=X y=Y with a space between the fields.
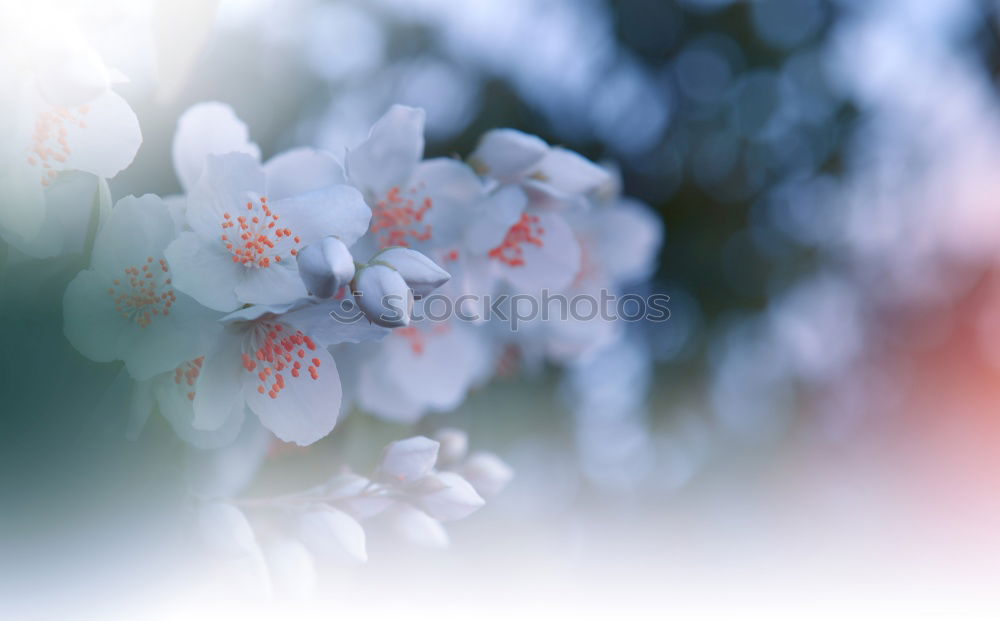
x=187 y=374
x=278 y=349
x=524 y=231
x=144 y=296
x=49 y=141
x=253 y=243
x=400 y=217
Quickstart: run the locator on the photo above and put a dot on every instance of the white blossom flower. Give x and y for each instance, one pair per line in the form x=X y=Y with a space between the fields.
x=419 y=204
x=247 y=230
x=275 y=360
x=60 y=115
x=125 y=307
x=509 y=241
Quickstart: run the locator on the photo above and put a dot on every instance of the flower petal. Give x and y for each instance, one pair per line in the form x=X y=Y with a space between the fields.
x=279 y=283
x=226 y=184
x=204 y=271
x=106 y=140
x=208 y=128
x=570 y=172
x=68 y=211
x=168 y=341
x=140 y=406
x=493 y=217
x=177 y=407
x=552 y=266
x=629 y=238
x=506 y=154
x=337 y=210
x=218 y=397
x=315 y=319
x=379 y=395
x=440 y=372
x=137 y=229
x=300 y=171
x=391 y=153
x=23 y=210
x=306 y=409
x=454 y=189
x=91 y=323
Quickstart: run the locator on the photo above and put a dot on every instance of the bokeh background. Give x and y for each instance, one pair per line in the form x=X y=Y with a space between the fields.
x=816 y=427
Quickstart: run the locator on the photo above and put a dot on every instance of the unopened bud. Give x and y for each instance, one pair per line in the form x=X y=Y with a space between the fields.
x=419 y=272
x=447 y=496
x=325 y=266
x=383 y=296
x=454 y=444
x=487 y=473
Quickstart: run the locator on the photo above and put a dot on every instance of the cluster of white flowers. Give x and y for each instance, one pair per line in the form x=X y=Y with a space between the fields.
x=418 y=484
x=227 y=299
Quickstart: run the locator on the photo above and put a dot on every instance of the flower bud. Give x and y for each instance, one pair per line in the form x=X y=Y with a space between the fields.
x=419 y=272
x=408 y=460
x=447 y=496
x=325 y=266
x=383 y=296
x=487 y=473
x=454 y=444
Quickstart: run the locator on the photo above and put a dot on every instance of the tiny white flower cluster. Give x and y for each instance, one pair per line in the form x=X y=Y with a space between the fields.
x=418 y=484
